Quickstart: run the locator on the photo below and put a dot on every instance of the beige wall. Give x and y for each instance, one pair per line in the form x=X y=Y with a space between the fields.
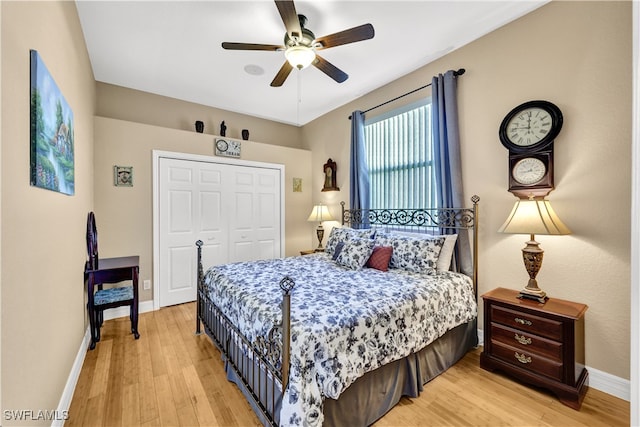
x=577 y=55
x=124 y=214
x=141 y=107
x=43 y=232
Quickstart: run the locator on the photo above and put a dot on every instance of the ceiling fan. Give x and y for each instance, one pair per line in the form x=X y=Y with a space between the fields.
x=300 y=45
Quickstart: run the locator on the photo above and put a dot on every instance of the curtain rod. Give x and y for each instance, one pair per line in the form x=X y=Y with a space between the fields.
x=460 y=72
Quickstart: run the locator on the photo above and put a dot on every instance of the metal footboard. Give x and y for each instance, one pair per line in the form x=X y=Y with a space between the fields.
x=262 y=367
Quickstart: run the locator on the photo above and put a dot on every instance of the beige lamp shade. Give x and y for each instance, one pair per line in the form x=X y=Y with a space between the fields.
x=320 y=213
x=533 y=217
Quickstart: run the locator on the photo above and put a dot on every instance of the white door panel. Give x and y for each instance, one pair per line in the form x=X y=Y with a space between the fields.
x=234 y=209
x=180 y=278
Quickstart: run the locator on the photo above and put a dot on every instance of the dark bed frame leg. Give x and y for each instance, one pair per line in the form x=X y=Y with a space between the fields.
x=200 y=286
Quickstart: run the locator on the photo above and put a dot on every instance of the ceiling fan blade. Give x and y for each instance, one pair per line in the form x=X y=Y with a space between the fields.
x=282 y=75
x=251 y=46
x=355 y=34
x=330 y=70
x=290 y=18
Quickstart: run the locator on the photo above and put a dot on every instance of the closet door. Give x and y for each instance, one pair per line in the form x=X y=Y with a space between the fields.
x=234 y=209
x=191 y=207
x=255 y=214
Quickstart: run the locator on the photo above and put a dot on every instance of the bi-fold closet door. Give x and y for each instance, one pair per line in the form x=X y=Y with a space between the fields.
x=234 y=209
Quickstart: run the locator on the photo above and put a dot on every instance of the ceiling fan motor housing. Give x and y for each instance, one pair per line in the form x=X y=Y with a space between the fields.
x=306 y=39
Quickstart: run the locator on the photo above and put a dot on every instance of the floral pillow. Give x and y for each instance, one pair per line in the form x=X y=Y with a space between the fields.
x=446 y=254
x=355 y=253
x=344 y=234
x=418 y=255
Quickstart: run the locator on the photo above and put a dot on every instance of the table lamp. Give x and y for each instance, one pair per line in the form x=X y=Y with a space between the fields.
x=533 y=216
x=320 y=213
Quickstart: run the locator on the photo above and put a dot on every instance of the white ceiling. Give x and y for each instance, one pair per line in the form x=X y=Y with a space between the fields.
x=172 y=48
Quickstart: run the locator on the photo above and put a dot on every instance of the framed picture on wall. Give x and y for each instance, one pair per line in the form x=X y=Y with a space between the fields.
x=51 y=142
x=123 y=176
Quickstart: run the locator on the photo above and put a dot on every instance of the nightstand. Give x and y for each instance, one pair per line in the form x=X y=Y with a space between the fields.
x=308 y=252
x=540 y=344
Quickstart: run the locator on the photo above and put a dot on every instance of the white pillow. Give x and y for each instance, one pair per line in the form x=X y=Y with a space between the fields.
x=446 y=253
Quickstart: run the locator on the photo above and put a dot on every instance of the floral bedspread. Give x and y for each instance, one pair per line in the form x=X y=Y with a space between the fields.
x=344 y=323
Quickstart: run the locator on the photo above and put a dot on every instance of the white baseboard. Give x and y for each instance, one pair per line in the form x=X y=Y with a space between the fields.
x=70 y=386
x=610 y=384
x=123 y=311
x=72 y=381
x=607 y=383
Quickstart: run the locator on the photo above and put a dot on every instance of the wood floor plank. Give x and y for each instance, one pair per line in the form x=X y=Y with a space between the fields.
x=113 y=401
x=130 y=405
x=101 y=373
x=166 y=405
x=199 y=399
x=147 y=393
x=157 y=358
x=83 y=387
x=170 y=376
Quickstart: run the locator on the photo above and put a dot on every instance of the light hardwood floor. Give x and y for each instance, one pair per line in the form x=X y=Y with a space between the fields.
x=172 y=377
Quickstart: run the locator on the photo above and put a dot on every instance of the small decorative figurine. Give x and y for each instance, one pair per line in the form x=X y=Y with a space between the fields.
x=223 y=129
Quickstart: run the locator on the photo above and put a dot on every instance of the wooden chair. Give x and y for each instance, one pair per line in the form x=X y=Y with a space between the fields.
x=107 y=271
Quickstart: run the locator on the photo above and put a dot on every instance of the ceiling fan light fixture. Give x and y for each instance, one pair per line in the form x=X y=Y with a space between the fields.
x=300 y=57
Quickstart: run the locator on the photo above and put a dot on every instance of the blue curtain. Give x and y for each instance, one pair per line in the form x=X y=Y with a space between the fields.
x=446 y=145
x=359 y=172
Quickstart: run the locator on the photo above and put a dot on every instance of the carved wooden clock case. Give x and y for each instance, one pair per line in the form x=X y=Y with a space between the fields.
x=528 y=132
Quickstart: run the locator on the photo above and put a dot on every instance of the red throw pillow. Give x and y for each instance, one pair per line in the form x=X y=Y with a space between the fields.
x=380 y=258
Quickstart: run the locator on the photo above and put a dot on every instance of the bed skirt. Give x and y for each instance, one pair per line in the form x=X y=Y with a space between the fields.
x=378 y=391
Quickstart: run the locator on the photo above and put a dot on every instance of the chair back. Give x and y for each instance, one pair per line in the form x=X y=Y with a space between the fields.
x=92 y=242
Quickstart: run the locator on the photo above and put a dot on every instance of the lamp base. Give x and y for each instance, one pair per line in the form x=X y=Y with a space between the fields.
x=320 y=234
x=532 y=256
x=534 y=294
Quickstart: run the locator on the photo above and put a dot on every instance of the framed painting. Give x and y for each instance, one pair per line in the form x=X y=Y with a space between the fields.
x=123 y=176
x=52 y=145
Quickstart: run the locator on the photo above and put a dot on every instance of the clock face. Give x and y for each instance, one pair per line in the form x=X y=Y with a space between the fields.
x=222 y=145
x=529 y=170
x=529 y=127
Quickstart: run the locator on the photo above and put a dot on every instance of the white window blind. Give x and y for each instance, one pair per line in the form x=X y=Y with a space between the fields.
x=400 y=158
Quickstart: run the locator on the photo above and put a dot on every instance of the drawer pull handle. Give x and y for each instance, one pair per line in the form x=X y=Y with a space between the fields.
x=523 y=321
x=523 y=340
x=522 y=358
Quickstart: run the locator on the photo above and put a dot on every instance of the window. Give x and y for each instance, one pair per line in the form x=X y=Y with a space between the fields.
x=399 y=156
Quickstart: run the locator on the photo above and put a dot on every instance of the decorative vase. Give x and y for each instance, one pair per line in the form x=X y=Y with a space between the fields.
x=199 y=126
x=245 y=134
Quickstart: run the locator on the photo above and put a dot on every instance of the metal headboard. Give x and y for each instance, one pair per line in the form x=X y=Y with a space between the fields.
x=438 y=219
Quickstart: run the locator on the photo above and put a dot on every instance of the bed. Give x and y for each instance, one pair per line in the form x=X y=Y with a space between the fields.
x=338 y=337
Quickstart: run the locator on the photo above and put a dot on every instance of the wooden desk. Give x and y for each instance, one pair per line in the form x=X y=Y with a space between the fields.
x=111 y=270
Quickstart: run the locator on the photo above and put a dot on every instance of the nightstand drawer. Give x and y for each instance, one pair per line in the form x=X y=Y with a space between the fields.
x=527 y=342
x=527 y=322
x=528 y=360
